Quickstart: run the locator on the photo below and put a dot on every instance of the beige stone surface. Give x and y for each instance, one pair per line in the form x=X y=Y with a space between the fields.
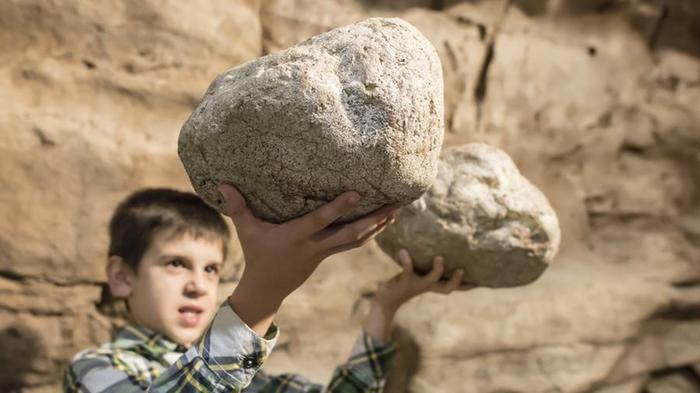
x=596 y=108
x=89 y=114
x=37 y=345
x=92 y=100
x=288 y=22
x=583 y=106
x=482 y=216
x=571 y=330
x=358 y=108
x=632 y=385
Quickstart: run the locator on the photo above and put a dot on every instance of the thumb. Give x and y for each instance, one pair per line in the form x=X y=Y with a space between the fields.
x=237 y=209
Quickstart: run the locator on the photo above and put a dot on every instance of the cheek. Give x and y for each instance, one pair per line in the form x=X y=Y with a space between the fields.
x=148 y=305
x=164 y=290
x=212 y=296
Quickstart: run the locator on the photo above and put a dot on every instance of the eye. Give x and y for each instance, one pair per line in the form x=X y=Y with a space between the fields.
x=213 y=269
x=177 y=262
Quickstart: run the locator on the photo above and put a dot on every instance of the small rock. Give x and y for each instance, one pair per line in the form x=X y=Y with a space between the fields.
x=357 y=108
x=481 y=215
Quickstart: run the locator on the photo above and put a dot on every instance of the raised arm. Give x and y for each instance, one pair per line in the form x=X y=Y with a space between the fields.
x=366 y=369
x=279 y=258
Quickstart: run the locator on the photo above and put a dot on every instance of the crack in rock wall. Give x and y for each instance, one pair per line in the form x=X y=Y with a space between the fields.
x=596 y=101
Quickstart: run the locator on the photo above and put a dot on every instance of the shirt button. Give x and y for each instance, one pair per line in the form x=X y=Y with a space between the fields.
x=249 y=362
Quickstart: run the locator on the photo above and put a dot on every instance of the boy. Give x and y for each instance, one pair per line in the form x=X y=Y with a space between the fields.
x=166 y=250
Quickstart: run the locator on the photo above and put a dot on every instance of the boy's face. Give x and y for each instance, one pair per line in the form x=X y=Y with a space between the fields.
x=174 y=291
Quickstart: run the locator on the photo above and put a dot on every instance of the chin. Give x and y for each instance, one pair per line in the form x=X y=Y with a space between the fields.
x=185 y=338
x=187 y=333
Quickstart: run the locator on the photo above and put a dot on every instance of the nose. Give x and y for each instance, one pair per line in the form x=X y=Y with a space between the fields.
x=196 y=285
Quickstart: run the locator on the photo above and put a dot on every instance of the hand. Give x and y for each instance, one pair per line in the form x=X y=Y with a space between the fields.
x=280 y=257
x=407 y=284
x=403 y=287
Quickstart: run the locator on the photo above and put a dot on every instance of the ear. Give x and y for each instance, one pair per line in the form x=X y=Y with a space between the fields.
x=119 y=276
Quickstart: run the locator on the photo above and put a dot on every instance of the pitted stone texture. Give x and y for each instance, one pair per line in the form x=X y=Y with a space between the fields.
x=483 y=216
x=357 y=108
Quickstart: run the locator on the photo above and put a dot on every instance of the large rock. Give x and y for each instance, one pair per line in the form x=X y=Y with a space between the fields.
x=94 y=91
x=483 y=217
x=358 y=108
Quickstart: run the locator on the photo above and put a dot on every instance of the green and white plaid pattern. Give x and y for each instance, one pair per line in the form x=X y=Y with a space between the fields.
x=364 y=372
x=226 y=359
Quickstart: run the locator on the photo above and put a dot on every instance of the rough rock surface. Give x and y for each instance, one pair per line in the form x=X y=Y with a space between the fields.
x=597 y=109
x=481 y=215
x=93 y=97
x=614 y=147
x=357 y=108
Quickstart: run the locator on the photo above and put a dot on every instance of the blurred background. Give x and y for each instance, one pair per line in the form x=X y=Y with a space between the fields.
x=597 y=101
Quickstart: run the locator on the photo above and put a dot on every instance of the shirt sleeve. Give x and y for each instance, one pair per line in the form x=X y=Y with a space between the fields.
x=224 y=360
x=364 y=372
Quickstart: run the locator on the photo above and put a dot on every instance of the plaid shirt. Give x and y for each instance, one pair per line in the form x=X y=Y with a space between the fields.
x=364 y=372
x=226 y=359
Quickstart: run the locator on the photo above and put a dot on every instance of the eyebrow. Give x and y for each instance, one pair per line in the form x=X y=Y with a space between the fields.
x=171 y=256
x=166 y=257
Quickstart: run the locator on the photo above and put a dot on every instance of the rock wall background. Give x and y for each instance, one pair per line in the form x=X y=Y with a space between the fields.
x=596 y=101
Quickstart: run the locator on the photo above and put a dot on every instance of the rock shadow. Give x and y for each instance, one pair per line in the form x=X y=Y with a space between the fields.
x=406 y=363
x=670 y=24
x=21 y=346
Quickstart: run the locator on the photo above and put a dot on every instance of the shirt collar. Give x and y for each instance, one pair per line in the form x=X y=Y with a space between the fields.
x=131 y=337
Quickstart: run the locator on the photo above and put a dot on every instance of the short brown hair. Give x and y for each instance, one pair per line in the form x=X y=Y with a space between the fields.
x=150 y=212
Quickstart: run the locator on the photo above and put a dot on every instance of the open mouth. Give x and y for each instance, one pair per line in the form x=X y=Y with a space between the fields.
x=190 y=315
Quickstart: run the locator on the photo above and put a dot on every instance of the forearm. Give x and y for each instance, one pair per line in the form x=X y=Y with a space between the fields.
x=380 y=320
x=254 y=307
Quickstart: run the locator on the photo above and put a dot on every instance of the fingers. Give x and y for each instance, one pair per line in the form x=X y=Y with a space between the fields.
x=236 y=208
x=357 y=243
x=373 y=228
x=325 y=215
x=453 y=283
x=434 y=275
x=359 y=231
x=405 y=261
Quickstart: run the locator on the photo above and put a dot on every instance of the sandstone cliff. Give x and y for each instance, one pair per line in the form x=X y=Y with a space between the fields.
x=596 y=101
